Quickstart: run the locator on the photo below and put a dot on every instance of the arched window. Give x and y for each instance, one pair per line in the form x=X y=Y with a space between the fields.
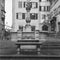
x=45 y=28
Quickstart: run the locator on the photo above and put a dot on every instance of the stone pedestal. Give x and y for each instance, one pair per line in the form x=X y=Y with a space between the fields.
x=28 y=28
x=19 y=34
x=42 y=37
x=36 y=35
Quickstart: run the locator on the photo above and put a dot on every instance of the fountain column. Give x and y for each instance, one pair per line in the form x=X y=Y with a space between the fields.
x=28 y=20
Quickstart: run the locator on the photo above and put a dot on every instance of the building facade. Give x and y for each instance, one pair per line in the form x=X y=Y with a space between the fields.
x=2 y=18
x=39 y=14
x=55 y=12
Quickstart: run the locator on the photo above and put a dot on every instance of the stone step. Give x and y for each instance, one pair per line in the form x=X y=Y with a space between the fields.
x=29 y=57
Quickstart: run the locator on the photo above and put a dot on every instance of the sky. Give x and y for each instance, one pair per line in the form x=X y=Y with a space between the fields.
x=8 y=15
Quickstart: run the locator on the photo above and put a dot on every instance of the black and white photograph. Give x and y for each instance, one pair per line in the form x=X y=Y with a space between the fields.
x=29 y=29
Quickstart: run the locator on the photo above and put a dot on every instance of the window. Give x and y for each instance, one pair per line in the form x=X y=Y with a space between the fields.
x=48 y=8
x=42 y=8
x=20 y=15
x=19 y=4
x=34 y=5
x=34 y=16
x=45 y=8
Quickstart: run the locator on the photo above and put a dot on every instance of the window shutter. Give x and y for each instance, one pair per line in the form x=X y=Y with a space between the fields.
x=36 y=16
x=44 y=8
x=24 y=4
x=16 y=15
x=36 y=5
x=39 y=8
x=23 y=15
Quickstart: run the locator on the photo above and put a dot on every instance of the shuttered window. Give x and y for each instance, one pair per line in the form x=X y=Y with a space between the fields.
x=20 y=16
x=39 y=8
x=34 y=16
x=19 y=4
x=48 y=8
x=34 y=5
x=16 y=15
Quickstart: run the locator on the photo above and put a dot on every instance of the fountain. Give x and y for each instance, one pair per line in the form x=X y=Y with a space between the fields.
x=27 y=33
x=28 y=20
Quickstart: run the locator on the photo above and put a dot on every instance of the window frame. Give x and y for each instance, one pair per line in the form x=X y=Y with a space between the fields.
x=21 y=16
x=36 y=16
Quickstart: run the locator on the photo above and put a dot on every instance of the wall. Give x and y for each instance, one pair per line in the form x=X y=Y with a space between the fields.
x=21 y=22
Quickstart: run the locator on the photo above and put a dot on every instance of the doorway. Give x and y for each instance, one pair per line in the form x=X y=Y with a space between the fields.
x=45 y=28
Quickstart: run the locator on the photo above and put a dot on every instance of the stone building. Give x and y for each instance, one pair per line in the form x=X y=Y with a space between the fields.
x=2 y=18
x=55 y=12
x=39 y=15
